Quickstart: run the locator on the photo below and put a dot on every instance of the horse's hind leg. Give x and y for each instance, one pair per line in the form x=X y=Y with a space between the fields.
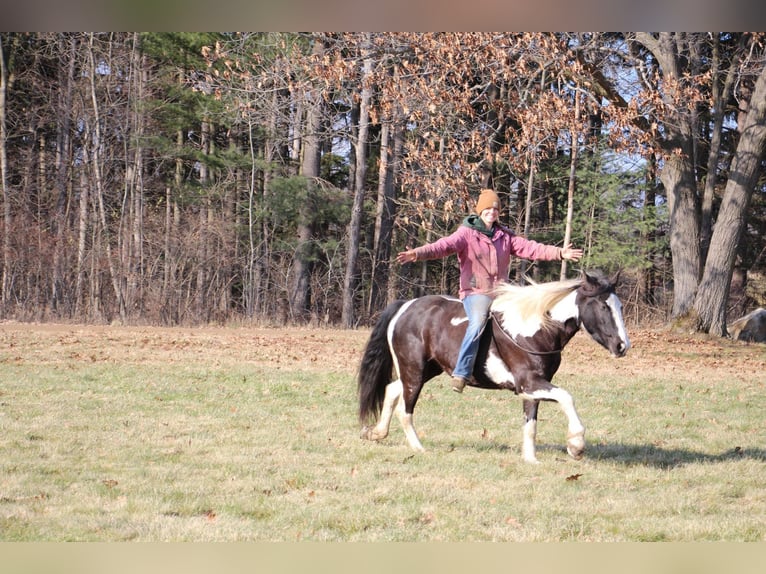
x=409 y=429
x=391 y=400
x=404 y=411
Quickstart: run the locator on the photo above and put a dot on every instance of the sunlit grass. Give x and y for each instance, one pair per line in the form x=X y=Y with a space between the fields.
x=173 y=448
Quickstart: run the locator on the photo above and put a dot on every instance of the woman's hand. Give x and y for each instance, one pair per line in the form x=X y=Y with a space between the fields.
x=408 y=256
x=570 y=253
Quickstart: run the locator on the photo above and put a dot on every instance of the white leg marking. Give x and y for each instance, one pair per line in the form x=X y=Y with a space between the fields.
x=390 y=401
x=575 y=428
x=528 y=441
x=409 y=428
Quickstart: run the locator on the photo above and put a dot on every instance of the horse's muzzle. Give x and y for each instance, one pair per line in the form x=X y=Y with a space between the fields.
x=621 y=350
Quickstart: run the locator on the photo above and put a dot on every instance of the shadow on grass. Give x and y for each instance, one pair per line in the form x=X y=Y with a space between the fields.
x=629 y=454
x=650 y=455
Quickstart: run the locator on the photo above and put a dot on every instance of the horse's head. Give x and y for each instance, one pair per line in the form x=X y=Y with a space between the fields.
x=600 y=312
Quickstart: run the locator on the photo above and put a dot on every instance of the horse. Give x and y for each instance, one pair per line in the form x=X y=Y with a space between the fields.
x=520 y=350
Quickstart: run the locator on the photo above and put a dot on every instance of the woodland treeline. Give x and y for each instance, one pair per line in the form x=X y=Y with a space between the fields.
x=188 y=178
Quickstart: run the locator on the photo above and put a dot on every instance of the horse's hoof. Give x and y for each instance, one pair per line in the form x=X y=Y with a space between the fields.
x=576 y=445
x=371 y=434
x=575 y=454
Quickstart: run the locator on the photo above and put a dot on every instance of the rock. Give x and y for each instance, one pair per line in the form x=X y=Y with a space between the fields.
x=751 y=327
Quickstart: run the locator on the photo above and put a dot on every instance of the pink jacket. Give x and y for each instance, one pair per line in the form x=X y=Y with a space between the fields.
x=484 y=262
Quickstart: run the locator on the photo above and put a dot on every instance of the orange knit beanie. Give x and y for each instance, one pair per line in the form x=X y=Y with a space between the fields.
x=487 y=199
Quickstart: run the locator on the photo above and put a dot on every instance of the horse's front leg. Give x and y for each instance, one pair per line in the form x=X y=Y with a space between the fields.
x=542 y=390
x=528 y=450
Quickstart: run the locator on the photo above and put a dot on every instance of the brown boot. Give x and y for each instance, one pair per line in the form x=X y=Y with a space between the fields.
x=458 y=384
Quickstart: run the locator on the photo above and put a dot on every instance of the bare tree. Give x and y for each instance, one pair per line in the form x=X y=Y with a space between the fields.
x=574 y=132
x=354 y=227
x=300 y=296
x=4 y=186
x=710 y=302
x=677 y=175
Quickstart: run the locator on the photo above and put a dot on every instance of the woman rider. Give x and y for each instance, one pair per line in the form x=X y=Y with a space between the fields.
x=484 y=249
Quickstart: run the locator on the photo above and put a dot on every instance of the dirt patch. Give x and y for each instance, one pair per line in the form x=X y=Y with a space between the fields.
x=321 y=349
x=336 y=350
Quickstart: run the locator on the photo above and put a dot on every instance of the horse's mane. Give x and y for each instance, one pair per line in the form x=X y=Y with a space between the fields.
x=532 y=302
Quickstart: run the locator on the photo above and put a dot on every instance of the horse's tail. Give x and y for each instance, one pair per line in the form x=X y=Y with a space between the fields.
x=376 y=366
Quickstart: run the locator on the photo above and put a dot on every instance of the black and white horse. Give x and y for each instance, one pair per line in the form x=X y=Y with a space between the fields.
x=520 y=350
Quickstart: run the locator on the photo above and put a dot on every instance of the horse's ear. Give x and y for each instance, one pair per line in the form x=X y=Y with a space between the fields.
x=614 y=279
x=588 y=277
x=590 y=283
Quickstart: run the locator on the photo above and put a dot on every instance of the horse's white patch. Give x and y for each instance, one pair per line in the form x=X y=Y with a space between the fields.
x=497 y=370
x=517 y=326
x=615 y=305
x=565 y=309
x=390 y=334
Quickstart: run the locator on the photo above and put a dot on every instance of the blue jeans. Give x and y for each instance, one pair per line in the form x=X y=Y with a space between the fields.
x=477 y=310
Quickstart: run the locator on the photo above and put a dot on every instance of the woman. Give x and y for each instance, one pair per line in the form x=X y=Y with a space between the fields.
x=484 y=249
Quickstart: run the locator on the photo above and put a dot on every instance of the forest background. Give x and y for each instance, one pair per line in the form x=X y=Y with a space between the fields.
x=190 y=178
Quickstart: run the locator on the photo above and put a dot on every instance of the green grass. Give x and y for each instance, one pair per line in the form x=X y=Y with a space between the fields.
x=197 y=449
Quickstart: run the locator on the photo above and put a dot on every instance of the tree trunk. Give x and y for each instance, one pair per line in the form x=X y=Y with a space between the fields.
x=134 y=264
x=171 y=290
x=678 y=177
x=6 y=192
x=82 y=236
x=95 y=157
x=520 y=276
x=203 y=247
x=63 y=152
x=357 y=211
x=678 y=180
x=300 y=297
x=392 y=288
x=572 y=181
x=255 y=267
x=384 y=217
x=648 y=235
x=720 y=96
x=710 y=303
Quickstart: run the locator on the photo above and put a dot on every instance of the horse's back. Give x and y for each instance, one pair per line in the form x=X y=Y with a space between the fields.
x=441 y=302
x=429 y=332
x=429 y=311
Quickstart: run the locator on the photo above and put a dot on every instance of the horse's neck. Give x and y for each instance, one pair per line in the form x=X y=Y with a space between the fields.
x=565 y=313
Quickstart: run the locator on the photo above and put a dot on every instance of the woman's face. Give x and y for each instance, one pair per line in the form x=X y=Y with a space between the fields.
x=489 y=216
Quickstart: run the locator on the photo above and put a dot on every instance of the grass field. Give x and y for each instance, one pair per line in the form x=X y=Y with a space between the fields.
x=245 y=434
